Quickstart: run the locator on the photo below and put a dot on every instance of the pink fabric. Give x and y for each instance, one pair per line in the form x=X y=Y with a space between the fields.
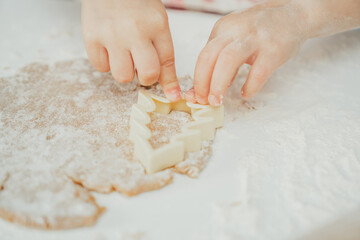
x=215 y=6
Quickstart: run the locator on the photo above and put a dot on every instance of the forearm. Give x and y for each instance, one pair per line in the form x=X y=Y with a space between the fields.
x=326 y=17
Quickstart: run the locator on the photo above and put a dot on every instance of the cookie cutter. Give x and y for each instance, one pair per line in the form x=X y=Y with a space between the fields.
x=206 y=120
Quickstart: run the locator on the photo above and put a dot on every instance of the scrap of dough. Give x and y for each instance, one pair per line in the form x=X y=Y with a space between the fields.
x=206 y=120
x=68 y=205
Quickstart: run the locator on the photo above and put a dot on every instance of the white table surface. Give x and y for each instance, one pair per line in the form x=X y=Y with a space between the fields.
x=286 y=165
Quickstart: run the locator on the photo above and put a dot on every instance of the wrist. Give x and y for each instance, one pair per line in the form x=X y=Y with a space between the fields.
x=304 y=16
x=323 y=17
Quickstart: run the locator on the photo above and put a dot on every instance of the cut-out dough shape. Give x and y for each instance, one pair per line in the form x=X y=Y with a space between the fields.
x=206 y=120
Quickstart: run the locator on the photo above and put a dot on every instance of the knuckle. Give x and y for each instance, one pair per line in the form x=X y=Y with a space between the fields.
x=224 y=21
x=102 y=67
x=159 y=20
x=97 y=63
x=91 y=46
x=89 y=40
x=219 y=22
x=200 y=91
x=170 y=83
x=260 y=74
x=215 y=31
x=168 y=62
x=228 y=56
x=217 y=27
x=204 y=55
x=110 y=31
x=89 y=36
x=277 y=45
x=149 y=77
x=123 y=78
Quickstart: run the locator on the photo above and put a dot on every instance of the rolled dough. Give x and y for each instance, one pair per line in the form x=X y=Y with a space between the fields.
x=63 y=133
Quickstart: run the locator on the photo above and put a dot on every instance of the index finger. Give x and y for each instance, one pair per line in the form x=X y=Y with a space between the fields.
x=168 y=79
x=205 y=66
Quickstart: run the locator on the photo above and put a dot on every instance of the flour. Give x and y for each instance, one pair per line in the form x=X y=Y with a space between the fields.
x=285 y=164
x=164 y=126
x=64 y=125
x=194 y=162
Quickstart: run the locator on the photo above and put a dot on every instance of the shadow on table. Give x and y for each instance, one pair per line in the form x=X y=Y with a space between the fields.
x=345 y=228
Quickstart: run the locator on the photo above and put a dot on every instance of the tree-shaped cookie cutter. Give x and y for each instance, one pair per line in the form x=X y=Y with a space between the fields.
x=206 y=120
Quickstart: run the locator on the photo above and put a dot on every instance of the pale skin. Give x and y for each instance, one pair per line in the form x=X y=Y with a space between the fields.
x=124 y=35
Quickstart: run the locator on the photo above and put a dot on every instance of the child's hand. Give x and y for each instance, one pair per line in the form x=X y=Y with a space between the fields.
x=123 y=33
x=265 y=37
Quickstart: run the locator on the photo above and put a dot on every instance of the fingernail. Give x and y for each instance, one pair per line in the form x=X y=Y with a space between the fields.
x=215 y=101
x=242 y=93
x=174 y=95
x=200 y=100
x=245 y=95
x=190 y=96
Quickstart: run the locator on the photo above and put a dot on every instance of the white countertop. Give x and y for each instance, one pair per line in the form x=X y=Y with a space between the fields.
x=286 y=165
